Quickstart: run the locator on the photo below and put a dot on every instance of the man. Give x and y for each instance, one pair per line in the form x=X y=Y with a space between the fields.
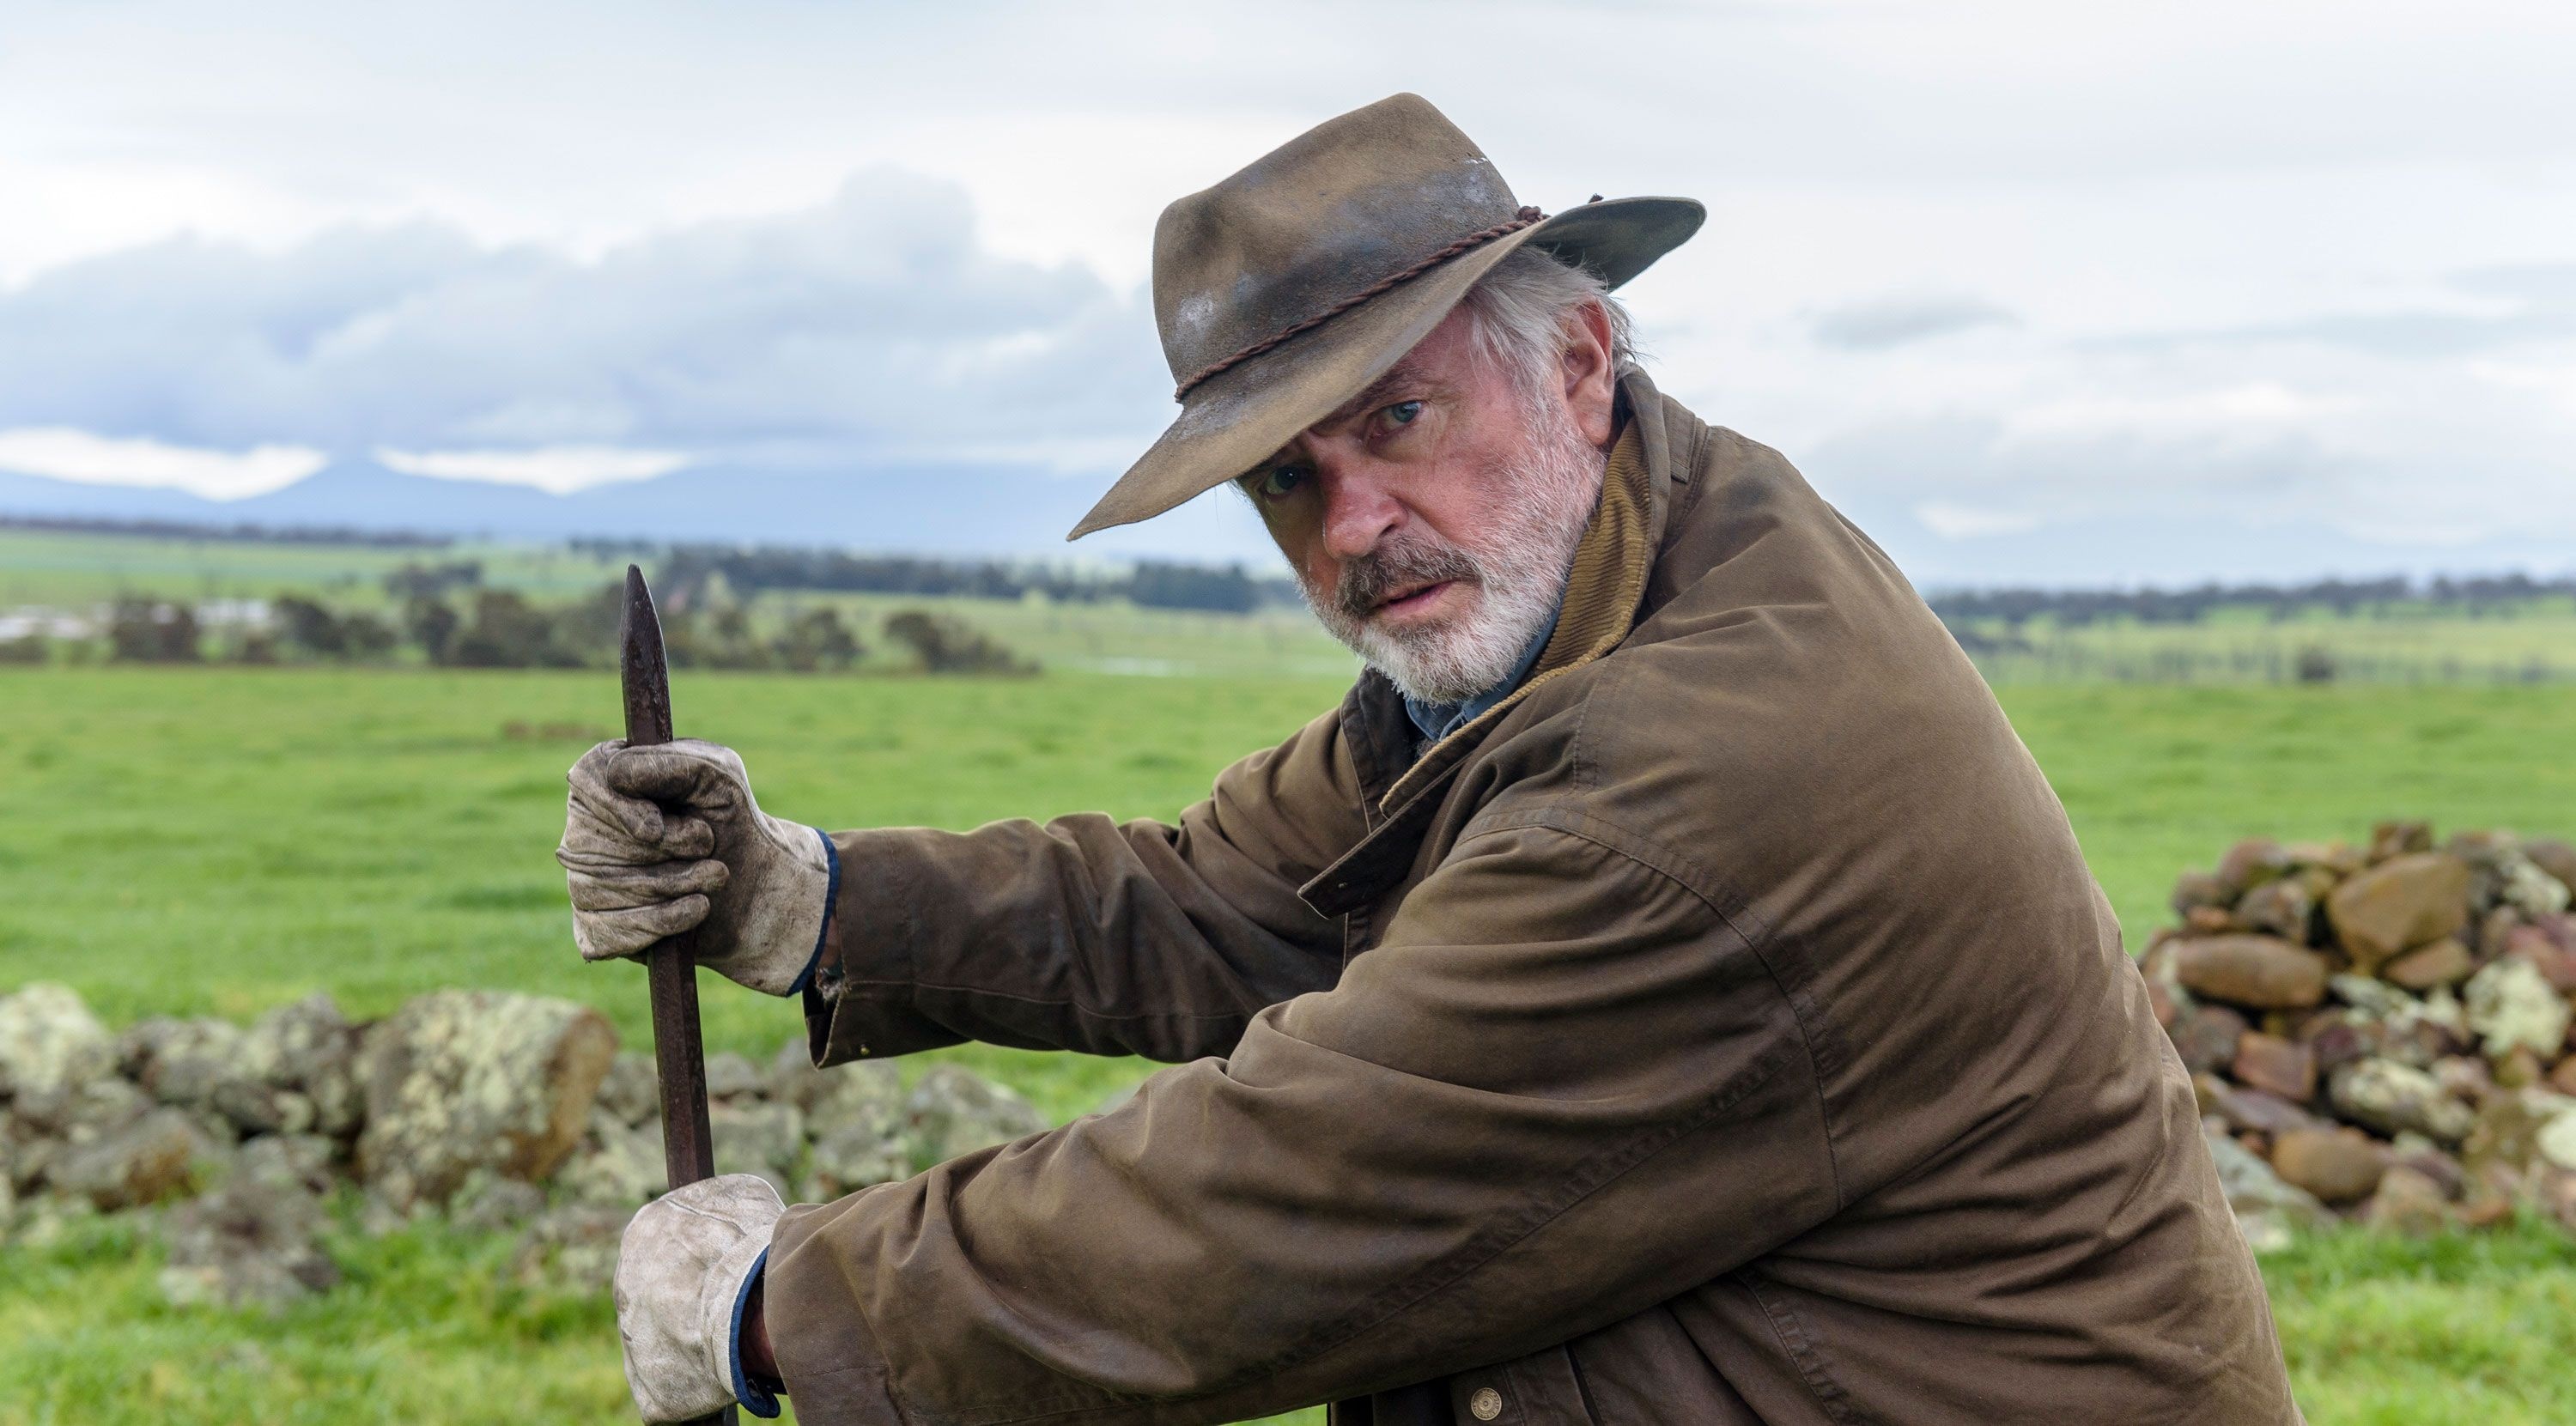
x=1665 y=990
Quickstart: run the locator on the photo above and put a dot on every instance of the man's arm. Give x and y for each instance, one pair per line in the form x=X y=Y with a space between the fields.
x=1562 y=1090
x=1088 y=934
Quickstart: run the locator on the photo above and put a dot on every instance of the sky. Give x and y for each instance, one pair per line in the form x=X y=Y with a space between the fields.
x=2069 y=294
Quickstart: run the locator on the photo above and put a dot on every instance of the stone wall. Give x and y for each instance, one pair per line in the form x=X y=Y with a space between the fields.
x=498 y=1110
x=2379 y=1032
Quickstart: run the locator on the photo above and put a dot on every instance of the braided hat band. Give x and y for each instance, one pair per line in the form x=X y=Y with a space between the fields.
x=1392 y=280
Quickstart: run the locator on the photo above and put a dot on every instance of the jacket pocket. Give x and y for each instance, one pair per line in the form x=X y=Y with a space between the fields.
x=1544 y=1388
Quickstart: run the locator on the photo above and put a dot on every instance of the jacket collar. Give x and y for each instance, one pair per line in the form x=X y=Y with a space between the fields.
x=1608 y=581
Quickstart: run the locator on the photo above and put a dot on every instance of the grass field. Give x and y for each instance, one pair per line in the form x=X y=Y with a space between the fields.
x=221 y=840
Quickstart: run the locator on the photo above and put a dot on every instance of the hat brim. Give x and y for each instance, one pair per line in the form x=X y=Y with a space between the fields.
x=1242 y=415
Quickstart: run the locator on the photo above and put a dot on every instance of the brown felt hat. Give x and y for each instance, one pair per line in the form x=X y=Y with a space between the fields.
x=1285 y=290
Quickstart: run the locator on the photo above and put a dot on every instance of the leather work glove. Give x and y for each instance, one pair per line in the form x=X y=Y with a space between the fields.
x=685 y=1270
x=661 y=839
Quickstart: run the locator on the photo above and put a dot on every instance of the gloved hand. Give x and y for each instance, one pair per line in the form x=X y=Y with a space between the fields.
x=684 y=1272
x=661 y=839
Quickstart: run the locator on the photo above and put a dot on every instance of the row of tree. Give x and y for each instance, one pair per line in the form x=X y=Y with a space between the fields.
x=501 y=628
x=1154 y=584
x=2476 y=596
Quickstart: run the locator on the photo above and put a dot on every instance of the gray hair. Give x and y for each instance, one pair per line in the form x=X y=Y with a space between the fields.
x=1519 y=311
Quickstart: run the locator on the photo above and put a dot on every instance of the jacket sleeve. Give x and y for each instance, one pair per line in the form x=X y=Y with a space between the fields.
x=1562 y=1090
x=1088 y=934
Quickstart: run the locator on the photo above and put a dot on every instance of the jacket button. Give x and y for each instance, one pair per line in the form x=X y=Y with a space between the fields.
x=1486 y=1404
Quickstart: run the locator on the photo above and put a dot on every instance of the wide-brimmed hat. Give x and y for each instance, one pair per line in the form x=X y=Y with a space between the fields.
x=1285 y=290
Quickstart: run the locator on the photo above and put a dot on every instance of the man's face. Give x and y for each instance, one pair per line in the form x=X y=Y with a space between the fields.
x=1430 y=521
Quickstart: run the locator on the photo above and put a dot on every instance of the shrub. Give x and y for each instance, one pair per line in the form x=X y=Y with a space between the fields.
x=943 y=643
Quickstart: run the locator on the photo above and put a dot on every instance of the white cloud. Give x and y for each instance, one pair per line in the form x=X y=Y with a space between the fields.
x=66 y=453
x=556 y=470
x=1952 y=521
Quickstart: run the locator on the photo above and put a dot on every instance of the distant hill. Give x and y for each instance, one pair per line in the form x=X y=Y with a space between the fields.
x=946 y=509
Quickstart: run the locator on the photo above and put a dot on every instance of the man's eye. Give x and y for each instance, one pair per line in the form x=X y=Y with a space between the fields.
x=1403 y=412
x=1276 y=483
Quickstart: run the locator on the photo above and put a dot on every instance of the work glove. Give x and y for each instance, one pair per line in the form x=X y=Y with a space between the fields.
x=662 y=839
x=684 y=1274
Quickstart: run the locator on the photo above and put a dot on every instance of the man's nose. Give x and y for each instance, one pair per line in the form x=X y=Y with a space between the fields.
x=1359 y=510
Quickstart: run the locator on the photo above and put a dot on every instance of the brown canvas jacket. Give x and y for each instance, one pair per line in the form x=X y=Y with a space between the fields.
x=1724 y=1029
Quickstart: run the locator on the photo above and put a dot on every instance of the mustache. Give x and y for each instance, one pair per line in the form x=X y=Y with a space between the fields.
x=1366 y=582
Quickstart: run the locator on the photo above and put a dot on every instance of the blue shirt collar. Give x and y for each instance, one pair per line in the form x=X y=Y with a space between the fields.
x=1439 y=720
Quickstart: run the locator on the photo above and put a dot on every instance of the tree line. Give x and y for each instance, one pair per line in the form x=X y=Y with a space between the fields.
x=2478 y=596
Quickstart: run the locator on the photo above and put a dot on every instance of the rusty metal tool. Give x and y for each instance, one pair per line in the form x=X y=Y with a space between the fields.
x=688 y=1148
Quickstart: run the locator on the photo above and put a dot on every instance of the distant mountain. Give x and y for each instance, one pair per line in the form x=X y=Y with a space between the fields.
x=964 y=510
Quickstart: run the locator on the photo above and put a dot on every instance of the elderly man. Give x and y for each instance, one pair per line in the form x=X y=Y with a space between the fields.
x=1664 y=990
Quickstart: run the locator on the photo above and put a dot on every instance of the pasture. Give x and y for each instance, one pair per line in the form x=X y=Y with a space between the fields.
x=219 y=840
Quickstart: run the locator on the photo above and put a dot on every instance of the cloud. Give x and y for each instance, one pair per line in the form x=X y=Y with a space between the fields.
x=557 y=470
x=1901 y=321
x=870 y=328
x=1952 y=521
x=64 y=453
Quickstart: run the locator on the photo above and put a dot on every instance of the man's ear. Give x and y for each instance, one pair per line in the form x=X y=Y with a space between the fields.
x=1591 y=378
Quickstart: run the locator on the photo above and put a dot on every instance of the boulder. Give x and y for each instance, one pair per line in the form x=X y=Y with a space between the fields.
x=730 y=1076
x=632 y=1089
x=310 y=1048
x=755 y=1136
x=2251 y=863
x=2554 y=857
x=2277 y=908
x=2268 y=1209
x=2389 y=840
x=50 y=1045
x=254 y=1241
x=2205 y=1037
x=2390 y=1097
x=2260 y=972
x=459 y=1080
x=2275 y=1065
x=158 y=1156
x=2510 y=1004
x=952 y=1112
x=2337 y=1165
x=618 y=1163
x=2397 y=905
x=2440 y=963
x=2407 y=1202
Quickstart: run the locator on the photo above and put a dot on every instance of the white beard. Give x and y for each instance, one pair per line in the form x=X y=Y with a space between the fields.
x=1513 y=573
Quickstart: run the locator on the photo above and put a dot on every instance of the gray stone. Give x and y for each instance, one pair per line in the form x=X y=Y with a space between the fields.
x=2510 y=1003
x=731 y=1076
x=50 y=1045
x=311 y=1048
x=488 y=1202
x=305 y=1160
x=102 y=1106
x=632 y=1090
x=755 y=1136
x=793 y=1079
x=850 y=1158
x=618 y=1164
x=952 y=1111
x=2263 y=1202
x=572 y=1247
x=253 y=1241
x=2390 y=1097
x=866 y=1097
x=159 y=1156
x=2557 y=1140
x=460 y=1080
x=2374 y=998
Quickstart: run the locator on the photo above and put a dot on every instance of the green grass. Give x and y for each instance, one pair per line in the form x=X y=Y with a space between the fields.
x=222 y=840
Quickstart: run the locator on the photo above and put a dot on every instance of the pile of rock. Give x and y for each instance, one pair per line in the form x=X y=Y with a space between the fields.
x=2379 y=1032
x=499 y=1110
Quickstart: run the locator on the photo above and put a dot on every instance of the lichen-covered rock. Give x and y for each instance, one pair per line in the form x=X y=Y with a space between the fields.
x=2390 y=1097
x=2554 y=857
x=867 y=1097
x=952 y=1112
x=757 y=1137
x=50 y=1045
x=792 y=1078
x=632 y=1090
x=2557 y=1140
x=460 y=1080
x=255 y=1240
x=158 y=1156
x=731 y=1076
x=850 y=1158
x=102 y=1106
x=2510 y=1004
x=215 y=1067
x=618 y=1163
x=2260 y=972
x=573 y=1247
x=2398 y=905
x=2205 y=1036
x=2507 y=1132
x=310 y=1048
x=2337 y=1165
